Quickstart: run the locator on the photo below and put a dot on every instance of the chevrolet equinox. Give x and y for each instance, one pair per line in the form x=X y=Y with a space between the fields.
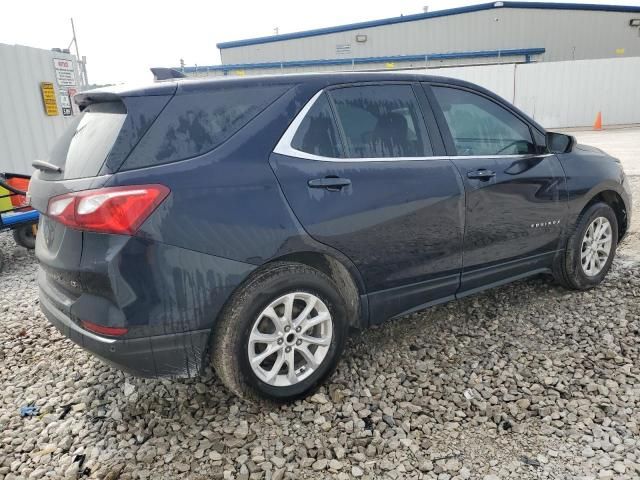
x=250 y=223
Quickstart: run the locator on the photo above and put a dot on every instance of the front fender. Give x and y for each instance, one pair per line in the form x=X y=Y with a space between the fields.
x=590 y=173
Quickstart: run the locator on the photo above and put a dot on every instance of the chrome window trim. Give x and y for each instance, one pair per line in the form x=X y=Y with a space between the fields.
x=284 y=146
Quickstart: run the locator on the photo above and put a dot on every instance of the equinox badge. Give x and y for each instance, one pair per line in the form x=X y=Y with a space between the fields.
x=545 y=224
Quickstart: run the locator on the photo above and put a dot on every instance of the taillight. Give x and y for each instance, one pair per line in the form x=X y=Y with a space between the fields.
x=119 y=210
x=102 y=330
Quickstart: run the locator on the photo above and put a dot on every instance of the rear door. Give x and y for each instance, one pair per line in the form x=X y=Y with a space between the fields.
x=358 y=168
x=515 y=209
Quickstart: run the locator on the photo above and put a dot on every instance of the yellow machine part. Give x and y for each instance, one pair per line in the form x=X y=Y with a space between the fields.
x=5 y=202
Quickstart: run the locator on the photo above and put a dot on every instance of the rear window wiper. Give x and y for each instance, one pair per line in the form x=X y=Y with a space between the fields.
x=46 y=166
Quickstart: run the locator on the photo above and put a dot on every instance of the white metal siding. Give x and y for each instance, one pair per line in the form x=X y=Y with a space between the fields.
x=570 y=94
x=566 y=35
x=497 y=78
x=26 y=132
x=563 y=94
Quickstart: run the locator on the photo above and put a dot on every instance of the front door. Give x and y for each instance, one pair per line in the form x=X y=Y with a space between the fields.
x=515 y=208
x=358 y=173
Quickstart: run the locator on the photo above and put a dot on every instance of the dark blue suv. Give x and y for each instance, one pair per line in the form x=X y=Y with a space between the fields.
x=251 y=222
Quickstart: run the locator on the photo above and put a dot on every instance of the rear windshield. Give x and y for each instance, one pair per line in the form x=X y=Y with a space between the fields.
x=195 y=123
x=84 y=148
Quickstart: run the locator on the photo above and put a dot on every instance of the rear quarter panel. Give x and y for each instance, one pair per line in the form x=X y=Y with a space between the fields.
x=226 y=202
x=158 y=288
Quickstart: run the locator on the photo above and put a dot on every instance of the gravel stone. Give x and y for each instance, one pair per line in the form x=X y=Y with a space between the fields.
x=389 y=420
x=619 y=467
x=319 y=464
x=356 y=471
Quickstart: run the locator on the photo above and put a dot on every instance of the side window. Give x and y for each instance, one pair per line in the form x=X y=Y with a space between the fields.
x=482 y=127
x=317 y=134
x=381 y=121
x=195 y=123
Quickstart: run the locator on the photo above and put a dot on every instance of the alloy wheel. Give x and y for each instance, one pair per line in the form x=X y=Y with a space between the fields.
x=596 y=246
x=290 y=339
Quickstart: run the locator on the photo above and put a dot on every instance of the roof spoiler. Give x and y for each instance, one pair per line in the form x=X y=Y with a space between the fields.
x=84 y=99
x=161 y=73
x=119 y=93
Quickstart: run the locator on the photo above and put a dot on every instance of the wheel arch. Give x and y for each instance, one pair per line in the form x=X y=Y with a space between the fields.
x=345 y=276
x=615 y=201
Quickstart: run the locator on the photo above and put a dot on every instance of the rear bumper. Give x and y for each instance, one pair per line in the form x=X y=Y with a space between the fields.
x=172 y=355
x=167 y=297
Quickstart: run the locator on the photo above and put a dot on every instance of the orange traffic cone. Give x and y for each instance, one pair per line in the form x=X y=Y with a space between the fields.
x=598 y=123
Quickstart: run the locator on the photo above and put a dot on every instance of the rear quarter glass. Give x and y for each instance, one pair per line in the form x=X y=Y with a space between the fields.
x=195 y=123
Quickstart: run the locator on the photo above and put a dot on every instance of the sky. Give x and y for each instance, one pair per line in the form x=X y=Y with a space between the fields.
x=123 y=39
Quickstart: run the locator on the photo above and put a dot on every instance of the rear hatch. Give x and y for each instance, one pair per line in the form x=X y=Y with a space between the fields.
x=93 y=148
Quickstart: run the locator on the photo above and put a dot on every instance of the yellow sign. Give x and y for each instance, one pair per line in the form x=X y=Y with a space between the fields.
x=389 y=65
x=619 y=51
x=49 y=98
x=240 y=73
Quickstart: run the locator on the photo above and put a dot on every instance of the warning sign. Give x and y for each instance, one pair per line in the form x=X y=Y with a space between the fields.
x=65 y=75
x=49 y=98
x=65 y=102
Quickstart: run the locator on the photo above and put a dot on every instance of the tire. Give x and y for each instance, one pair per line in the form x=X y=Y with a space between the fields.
x=569 y=270
x=24 y=236
x=244 y=316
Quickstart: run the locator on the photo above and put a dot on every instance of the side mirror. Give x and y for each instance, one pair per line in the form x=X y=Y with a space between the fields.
x=559 y=142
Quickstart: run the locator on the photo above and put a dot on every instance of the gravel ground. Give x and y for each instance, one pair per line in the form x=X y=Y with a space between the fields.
x=528 y=381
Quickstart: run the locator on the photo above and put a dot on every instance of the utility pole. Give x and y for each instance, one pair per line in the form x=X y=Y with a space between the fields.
x=81 y=60
x=497 y=20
